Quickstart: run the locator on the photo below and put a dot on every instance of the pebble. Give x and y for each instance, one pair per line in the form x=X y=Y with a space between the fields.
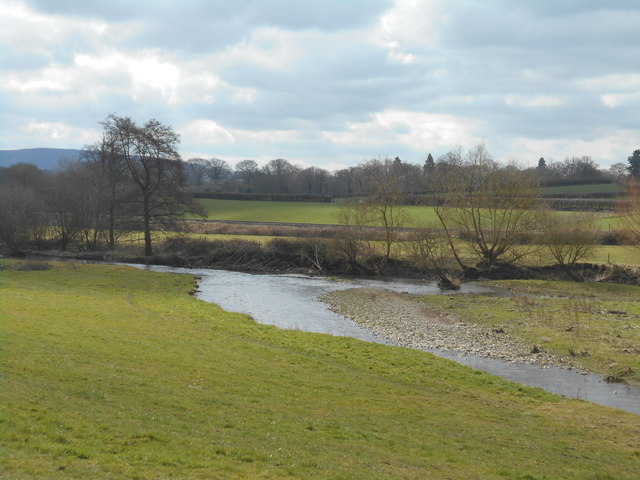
x=404 y=321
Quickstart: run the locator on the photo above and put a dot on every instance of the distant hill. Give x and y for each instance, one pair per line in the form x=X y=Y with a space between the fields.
x=44 y=158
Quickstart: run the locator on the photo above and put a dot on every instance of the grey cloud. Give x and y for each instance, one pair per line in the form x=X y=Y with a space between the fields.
x=198 y=26
x=532 y=25
x=485 y=52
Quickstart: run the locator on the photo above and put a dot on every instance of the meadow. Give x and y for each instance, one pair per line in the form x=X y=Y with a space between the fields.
x=592 y=326
x=114 y=372
x=329 y=213
x=583 y=189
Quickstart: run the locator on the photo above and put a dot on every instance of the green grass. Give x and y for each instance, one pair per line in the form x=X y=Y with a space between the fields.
x=111 y=372
x=294 y=212
x=263 y=211
x=583 y=189
x=328 y=213
x=595 y=326
x=623 y=254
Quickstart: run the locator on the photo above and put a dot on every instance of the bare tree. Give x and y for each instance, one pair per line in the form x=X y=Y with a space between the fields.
x=385 y=201
x=430 y=251
x=380 y=210
x=195 y=171
x=277 y=175
x=354 y=239
x=153 y=165
x=23 y=219
x=489 y=206
x=112 y=185
x=618 y=172
x=629 y=208
x=217 y=169
x=569 y=238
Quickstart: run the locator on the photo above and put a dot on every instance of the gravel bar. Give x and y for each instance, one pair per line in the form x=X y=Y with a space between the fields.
x=404 y=321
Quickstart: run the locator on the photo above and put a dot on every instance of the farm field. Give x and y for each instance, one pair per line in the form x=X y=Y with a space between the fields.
x=328 y=213
x=113 y=372
x=295 y=212
x=583 y=189
x=264 y=211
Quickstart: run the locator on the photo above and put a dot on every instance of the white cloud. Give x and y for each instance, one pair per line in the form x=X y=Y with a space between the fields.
x=50 y=79
x=422 y=76
x=611 y=83
x=266 y=47
x=208 y=132
x=60 y=133
x=24 y=29
x=151 y=72
x=409 y=23
x=613 y=100
x=416 y=130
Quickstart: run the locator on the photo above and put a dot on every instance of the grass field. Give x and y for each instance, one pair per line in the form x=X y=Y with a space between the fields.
x=296 y=212
x=614 y=254
x=328 y=213
x=112 y=372
x=595 y=326
x=262 y=211
x=583 y=189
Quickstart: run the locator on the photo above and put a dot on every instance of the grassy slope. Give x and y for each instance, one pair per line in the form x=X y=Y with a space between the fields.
x=112 y=372
x=598 y=322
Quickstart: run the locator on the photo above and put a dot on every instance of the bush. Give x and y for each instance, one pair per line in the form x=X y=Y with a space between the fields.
x=618 y=237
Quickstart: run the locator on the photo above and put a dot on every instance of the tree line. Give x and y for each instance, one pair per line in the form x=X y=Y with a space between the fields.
x=133 y=180
x=279 y=176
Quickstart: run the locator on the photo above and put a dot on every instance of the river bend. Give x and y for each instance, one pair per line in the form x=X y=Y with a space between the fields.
x=291 y=302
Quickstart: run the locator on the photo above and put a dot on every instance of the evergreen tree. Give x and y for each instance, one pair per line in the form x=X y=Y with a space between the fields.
x=634 y=164
x=429 y=164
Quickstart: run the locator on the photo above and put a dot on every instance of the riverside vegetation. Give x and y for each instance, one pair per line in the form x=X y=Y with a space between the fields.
x=112 y=372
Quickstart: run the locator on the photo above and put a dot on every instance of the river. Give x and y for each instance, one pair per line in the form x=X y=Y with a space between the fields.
x=291 y=302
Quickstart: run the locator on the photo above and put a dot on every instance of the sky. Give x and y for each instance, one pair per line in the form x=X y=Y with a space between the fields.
x=329 y=83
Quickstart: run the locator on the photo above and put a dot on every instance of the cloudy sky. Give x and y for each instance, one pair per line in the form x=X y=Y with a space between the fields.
x=328 y=83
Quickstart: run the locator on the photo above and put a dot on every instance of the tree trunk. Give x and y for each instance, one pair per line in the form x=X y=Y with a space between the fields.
x=148 y=249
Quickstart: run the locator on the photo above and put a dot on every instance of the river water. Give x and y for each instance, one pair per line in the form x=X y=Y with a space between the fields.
x=290 y=302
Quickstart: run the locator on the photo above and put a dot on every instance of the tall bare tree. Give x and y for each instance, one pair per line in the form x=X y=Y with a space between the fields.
x=153 y=164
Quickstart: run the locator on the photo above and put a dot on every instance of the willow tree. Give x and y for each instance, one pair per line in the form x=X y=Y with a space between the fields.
x=489 y=206
x=153 y=166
